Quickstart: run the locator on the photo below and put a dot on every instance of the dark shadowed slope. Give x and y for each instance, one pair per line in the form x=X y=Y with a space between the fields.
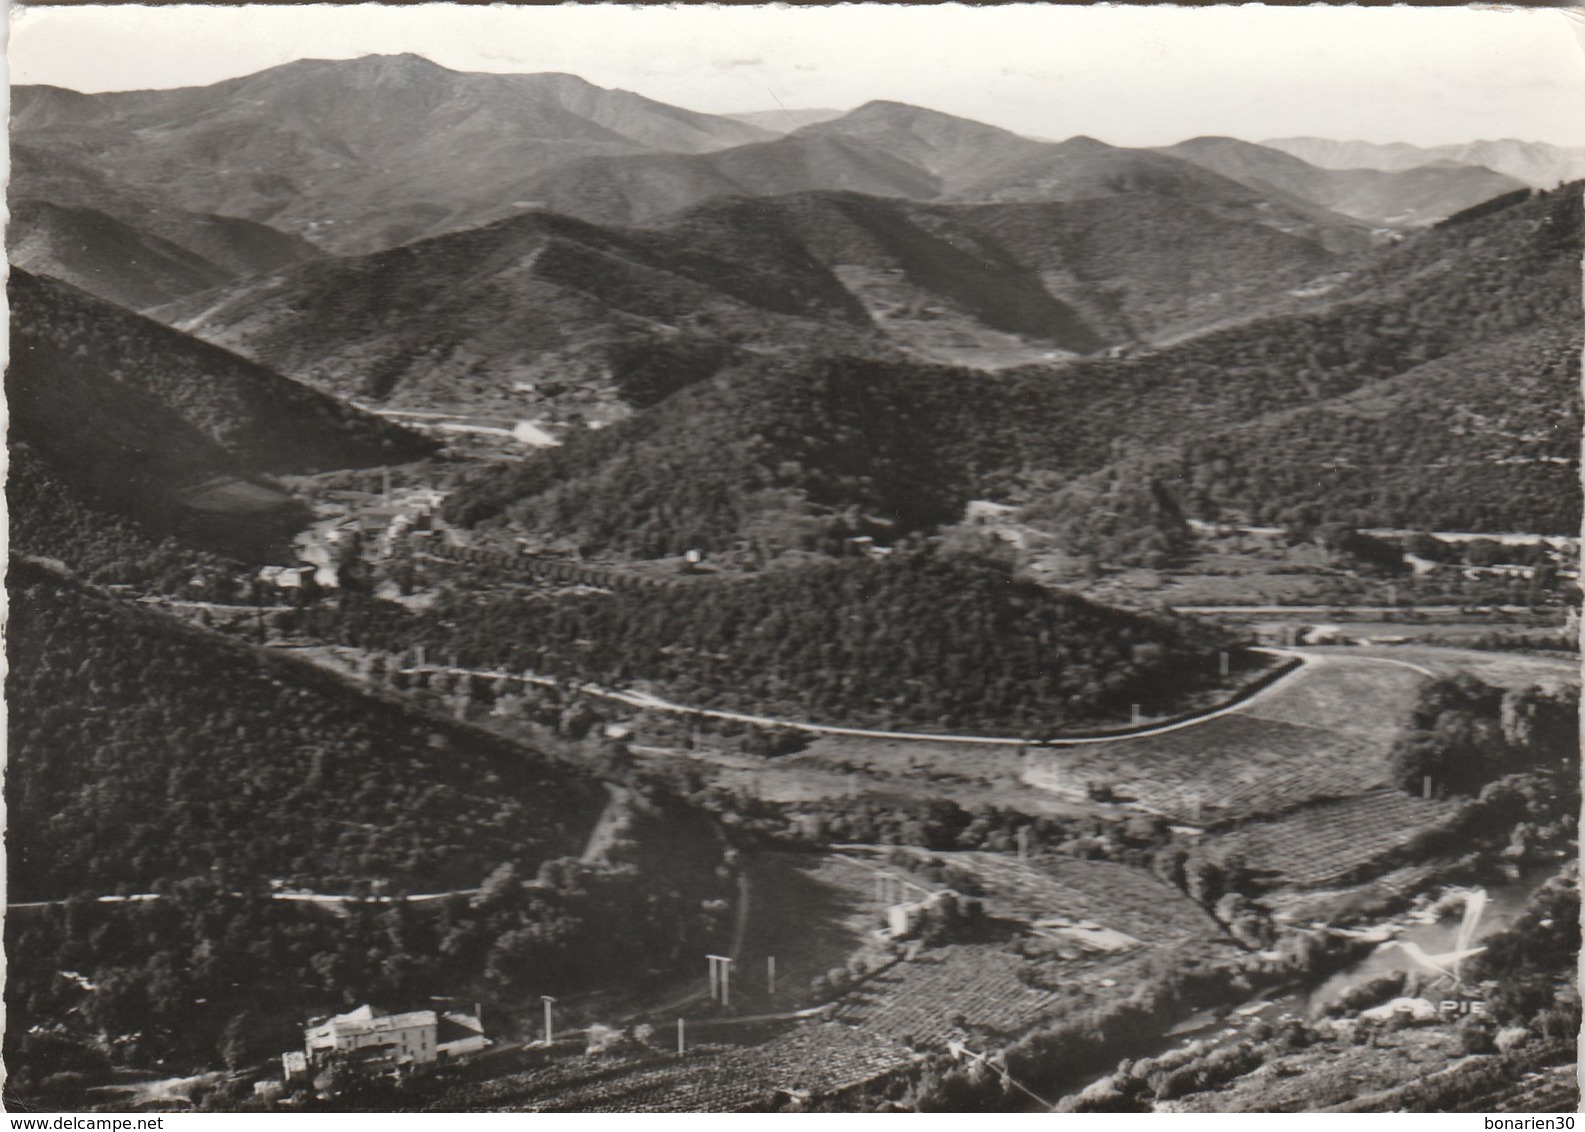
x=103 y=256
x=141 y=416
x=188 y=754
x=898 y=255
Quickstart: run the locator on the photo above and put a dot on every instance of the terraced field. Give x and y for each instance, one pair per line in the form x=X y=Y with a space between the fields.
x=811 y=1057
x=1322 y=733
x=1324 y=843
x=915 y=1002
x=1119 y=897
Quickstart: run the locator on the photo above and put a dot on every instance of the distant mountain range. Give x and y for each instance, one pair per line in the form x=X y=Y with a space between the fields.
x=1538 y=164
x=784 y=120
x=533 y=246
x=1414 y=195
x=362 y=153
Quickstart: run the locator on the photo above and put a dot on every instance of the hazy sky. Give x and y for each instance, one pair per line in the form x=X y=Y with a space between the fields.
x=1131 y=75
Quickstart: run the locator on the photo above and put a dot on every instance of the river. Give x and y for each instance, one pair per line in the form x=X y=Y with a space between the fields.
x=1505 y=902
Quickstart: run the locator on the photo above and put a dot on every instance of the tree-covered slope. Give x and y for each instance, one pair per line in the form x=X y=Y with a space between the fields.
x=137 y=416
x=178 y=754
x=764 y=445
x=918 y=641
x=470 y=316
x=787 y=454
x=49 y=518
x=1486 y=439
x=81 y=366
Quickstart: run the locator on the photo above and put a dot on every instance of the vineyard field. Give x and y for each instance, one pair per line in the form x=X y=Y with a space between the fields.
x=810 y=1057
x=1227 y=769
x=1367 y=696
x=1325 y=843
x=1322 y=733
x=915 y=1002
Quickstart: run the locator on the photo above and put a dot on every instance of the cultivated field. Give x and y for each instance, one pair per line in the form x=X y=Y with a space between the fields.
x=923 y=1001
x=1323 y=732
x=810 y=1057
x=1328 y=842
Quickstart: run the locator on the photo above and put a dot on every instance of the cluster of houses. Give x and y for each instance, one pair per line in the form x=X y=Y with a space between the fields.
x=380 y=1042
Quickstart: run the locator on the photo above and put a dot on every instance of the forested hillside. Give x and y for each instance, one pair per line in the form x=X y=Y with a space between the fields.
x=48 y=518
x=84 y=371
x=783 y=455
x=182 y=754
x=800 y=452
x=1486 y=439
x=919 y=641
x=473 y=317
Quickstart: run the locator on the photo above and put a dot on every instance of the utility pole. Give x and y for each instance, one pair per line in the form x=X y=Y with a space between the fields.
x=720 y=979
x=549 y=1030
x=682 y=1044
x=770 y=975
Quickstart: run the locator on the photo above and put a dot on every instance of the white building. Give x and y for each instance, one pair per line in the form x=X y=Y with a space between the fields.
x=377 y=1038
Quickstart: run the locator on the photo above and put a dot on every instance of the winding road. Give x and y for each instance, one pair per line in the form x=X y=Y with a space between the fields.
x=647 y=701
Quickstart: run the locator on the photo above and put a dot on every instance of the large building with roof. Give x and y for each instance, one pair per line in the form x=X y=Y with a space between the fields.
x=378 y=1039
